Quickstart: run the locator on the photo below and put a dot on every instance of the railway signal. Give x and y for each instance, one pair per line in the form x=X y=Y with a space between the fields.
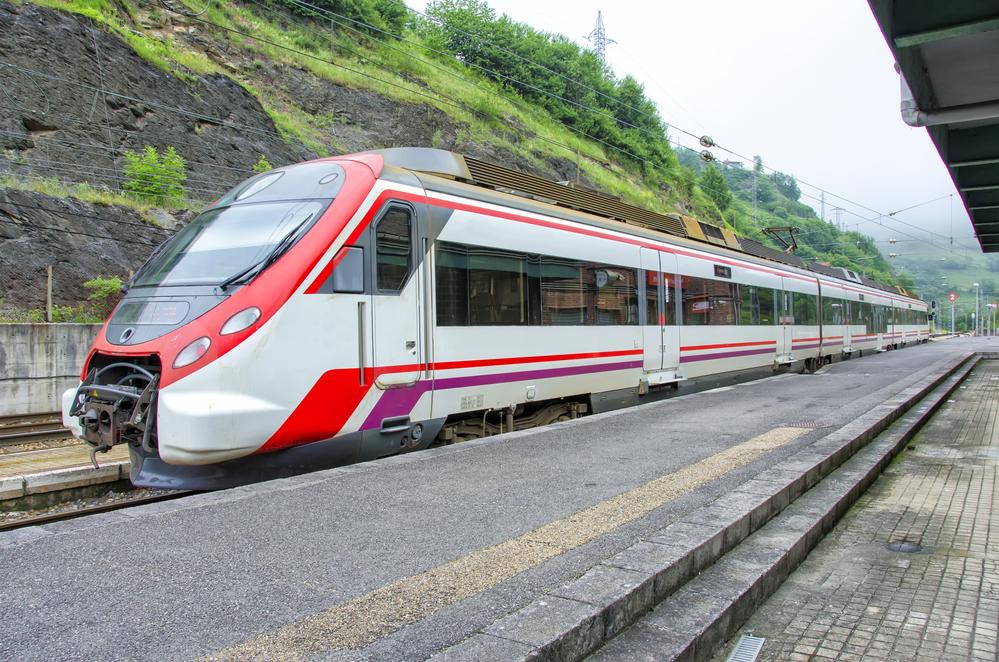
x=952 y=297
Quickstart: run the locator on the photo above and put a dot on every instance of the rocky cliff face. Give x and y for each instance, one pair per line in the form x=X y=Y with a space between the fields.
x=74 y=98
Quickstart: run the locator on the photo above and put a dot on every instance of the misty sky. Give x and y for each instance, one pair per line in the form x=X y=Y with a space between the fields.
x=808 y=85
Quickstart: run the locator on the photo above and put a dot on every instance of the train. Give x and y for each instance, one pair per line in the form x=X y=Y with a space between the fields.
x=356 y=307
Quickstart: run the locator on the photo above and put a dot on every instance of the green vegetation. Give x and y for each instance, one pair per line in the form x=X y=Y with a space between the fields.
x=99 y=195
x=104 y=296
x=262 y=165
x=154 y=177
x=479 y=69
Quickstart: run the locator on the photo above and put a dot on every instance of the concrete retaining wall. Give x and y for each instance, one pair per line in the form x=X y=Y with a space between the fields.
x=38 y=362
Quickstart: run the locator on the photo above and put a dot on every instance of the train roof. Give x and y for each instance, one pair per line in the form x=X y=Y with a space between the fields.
x=486 y=175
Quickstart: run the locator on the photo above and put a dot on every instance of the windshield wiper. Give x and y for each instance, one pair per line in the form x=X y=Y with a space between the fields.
x=276 y=252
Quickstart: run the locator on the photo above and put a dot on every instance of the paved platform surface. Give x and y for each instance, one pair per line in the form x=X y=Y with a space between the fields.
x=404 y=557
x=854 y=598
x=50 y=459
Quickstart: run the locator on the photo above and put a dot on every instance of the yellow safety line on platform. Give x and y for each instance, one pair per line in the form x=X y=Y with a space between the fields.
x=367 y=618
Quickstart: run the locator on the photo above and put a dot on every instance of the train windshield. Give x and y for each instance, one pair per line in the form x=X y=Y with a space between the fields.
x=246 y=230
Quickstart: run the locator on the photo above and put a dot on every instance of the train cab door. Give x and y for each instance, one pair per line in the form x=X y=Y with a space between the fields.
x=660 y=336
x=785 y=324
x=396 y=331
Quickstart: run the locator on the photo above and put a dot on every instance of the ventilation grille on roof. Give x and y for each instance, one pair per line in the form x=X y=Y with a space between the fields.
x=520 y=183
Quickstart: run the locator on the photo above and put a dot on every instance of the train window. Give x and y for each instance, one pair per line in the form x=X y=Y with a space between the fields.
x=669 y=295
x=579 y=293
x=482 y=286
x=616 y=300
x=452 y=284
x=805 y=309
x=348 y=276
x=749 y=311
x=563 y=292
x=709 y=302
x=652 y=298
x=393 y=248
x=765 y=296
x=497 y=288
x=652 y=312
x=833 y=310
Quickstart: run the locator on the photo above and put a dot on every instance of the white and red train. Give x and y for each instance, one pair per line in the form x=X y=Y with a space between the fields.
x=356 y=307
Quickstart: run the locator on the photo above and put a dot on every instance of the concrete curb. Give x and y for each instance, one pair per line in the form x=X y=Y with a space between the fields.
x=708 y=592
x=17 y=487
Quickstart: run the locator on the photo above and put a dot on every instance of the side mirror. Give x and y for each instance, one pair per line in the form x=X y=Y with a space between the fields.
x=348 y=276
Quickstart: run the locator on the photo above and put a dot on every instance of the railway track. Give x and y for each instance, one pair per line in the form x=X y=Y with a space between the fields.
x=64 y=514
x=23 y=428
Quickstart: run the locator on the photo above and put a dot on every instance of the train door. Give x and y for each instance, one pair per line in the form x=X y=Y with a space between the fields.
x=785 y=324
x=660 y=336
x=395 y=308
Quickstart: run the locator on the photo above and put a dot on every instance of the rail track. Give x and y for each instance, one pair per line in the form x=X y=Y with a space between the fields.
x=60 y=515
x=23 y=428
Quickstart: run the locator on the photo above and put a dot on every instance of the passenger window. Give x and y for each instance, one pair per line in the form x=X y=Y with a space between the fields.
x=452 y=285
x=497 y=287
x=710 y=302
x=393 y=248
x=765 y=295
x=669 y=290
x=651 y=298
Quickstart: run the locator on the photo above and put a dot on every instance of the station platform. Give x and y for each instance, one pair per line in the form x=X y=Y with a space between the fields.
x=37 y=472
x=490 y=549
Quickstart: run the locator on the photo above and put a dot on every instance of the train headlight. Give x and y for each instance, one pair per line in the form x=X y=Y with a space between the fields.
x=240 y=321
x=192 y=352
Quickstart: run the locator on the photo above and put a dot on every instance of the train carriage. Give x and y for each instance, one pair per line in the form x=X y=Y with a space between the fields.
x=361 y=306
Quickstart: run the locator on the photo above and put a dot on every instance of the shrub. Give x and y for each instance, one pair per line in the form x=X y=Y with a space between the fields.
x=155 y=177
x=262 y=165
x=104 y=295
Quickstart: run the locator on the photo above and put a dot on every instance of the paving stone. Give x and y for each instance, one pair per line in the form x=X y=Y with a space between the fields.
x=940 y=604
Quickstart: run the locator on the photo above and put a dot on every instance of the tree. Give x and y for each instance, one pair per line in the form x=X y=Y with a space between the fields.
x=787 y=185
x=713 y=183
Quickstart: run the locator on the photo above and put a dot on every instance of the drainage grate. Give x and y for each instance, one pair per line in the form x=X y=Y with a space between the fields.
x=810 y=424
x=746 y=649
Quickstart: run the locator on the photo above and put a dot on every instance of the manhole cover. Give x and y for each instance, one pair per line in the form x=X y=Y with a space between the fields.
x=905 y=547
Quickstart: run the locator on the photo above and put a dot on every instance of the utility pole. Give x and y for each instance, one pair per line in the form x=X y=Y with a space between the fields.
x=978 y=311
x=48 y=293
x=838 y=215
x=599 y=38
x=822 y=213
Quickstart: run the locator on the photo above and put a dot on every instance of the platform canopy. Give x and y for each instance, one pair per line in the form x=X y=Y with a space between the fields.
x=948 y=55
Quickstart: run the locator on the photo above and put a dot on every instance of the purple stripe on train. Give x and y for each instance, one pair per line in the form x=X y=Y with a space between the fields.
x=724 y=355
x=400 y=401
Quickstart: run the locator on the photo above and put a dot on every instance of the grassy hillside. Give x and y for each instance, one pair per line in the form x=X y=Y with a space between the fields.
x=938 y=270
x=474 y=80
